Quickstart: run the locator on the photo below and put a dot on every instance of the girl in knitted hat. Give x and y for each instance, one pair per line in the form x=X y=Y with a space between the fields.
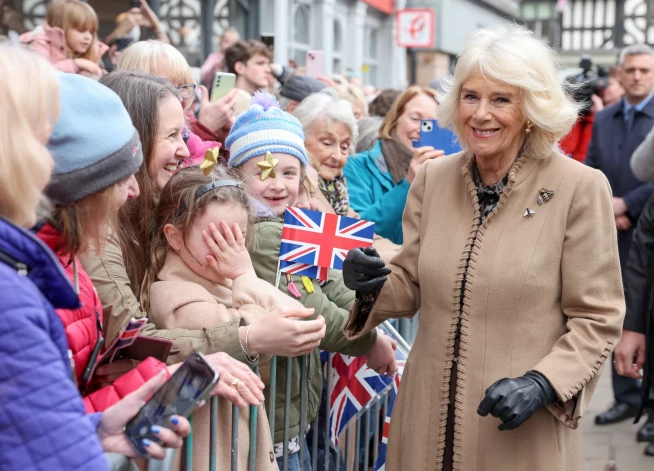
x=201 y=277
x=266 y=146
x=68 y=39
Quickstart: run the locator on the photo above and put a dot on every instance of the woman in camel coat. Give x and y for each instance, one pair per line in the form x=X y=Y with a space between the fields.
x=510 y=254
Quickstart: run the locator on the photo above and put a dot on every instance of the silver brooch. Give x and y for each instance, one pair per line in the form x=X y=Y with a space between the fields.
x=529 y=213
x=544 y=196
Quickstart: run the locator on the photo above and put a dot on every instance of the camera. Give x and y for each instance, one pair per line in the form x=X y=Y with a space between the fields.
x=586 y=83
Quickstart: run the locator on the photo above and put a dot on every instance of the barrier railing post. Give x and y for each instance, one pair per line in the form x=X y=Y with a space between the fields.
x=287 y=408
x=254 y=422
x=327 y=409
x=189 y=447
x=357 y=430
x=303 y=407
x=375 y=442
x=314 y=447
x=213 y=433
x=347 y=448
x=273 y=387
x=366 y=445
x=235 y=438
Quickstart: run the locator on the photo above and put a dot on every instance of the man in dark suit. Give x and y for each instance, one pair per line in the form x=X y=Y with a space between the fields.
x=617 y=131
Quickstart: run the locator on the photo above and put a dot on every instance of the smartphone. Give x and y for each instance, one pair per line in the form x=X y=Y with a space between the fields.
x=223 y=82
x=439 y=138
x=268 y=40
x=315 y=63
x=180 y=395
x=123 y=42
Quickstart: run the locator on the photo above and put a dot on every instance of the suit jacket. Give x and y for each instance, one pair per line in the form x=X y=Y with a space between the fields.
x=610 y=151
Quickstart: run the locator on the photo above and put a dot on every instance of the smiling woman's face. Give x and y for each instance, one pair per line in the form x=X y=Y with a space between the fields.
x=491 y=116
x=170 y=148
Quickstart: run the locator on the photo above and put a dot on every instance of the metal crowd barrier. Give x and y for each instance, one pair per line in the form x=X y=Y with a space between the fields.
x=348 y=454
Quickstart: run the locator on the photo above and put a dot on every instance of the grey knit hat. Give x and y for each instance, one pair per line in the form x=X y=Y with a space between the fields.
x=93 y=143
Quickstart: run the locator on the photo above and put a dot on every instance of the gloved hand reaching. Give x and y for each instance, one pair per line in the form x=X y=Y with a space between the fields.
x=514 y=400
x=364 y=271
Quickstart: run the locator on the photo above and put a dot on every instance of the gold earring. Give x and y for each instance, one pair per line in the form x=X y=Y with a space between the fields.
x=529 y=126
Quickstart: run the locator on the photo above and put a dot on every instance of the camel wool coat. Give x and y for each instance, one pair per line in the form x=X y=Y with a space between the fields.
x=182 y=299
x=543 y=293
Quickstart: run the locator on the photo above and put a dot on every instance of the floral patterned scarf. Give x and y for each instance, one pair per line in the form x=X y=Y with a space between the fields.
x=336 y=193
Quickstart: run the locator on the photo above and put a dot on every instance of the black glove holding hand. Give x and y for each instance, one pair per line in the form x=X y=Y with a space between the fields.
x=363 y=271
x=514 y=400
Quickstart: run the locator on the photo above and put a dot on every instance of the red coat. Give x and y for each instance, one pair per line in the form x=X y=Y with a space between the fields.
x=81 y=326
x=575 y=144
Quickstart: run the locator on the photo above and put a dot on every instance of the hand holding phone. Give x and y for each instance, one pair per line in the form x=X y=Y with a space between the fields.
x=223 y=82
x=315 y=63
x=184 y=392
x=112 y=424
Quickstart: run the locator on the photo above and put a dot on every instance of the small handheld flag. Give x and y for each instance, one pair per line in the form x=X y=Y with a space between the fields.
x=313 y=242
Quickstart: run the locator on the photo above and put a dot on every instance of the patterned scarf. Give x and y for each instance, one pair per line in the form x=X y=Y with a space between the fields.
x=488 y=196
x=336 y=193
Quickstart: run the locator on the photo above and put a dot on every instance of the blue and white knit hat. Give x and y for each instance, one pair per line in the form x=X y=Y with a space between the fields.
x=262 y=128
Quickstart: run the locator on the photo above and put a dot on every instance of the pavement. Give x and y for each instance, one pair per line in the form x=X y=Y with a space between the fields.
x=611 y=447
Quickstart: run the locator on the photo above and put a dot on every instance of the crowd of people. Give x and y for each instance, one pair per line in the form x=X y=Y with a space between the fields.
x=126 y=192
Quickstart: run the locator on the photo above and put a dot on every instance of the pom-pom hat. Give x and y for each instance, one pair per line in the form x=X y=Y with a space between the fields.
x=264 y=127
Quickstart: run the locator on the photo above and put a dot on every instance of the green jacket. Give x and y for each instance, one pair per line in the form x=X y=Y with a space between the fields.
x=332 y=301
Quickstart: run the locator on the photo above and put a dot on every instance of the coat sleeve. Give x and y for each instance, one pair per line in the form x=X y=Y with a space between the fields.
x=42 y=416
x=400 y=296
x=336 y=291
x=264 y=259
x=636 y=199
x=120 y=304
x=386 y=211
x=101 y=400
x=592 y=300
x=642 y=160
x=638 y=270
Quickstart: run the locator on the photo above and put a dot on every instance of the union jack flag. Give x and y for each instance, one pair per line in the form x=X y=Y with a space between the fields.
x=128 y=337
x=313 y=242
x=380 y=465
x=355 y=387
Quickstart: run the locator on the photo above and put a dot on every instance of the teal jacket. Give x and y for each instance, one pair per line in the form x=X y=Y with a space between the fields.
x=374 y=194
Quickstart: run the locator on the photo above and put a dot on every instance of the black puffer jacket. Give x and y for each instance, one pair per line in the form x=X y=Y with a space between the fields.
x=639 y=286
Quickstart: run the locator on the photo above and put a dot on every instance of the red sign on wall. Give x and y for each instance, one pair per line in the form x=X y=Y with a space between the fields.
x=385 y=6
x=415 y=27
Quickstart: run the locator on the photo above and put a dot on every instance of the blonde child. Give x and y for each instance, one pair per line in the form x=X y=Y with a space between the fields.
x=202 y=277
x=266 y=145
x=68 y=39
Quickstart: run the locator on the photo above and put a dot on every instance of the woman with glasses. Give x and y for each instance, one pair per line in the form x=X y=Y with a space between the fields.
x=214 y=120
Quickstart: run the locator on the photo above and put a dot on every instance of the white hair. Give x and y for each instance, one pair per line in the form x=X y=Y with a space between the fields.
x=326 y=104
x=512 y=55
x=635 y=50
x=284 y=102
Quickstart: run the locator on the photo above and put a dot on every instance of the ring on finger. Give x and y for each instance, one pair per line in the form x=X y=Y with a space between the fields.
x=235 y=383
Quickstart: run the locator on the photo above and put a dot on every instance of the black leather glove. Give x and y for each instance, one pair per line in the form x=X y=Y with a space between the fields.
x=364 y=271
x=514 y=400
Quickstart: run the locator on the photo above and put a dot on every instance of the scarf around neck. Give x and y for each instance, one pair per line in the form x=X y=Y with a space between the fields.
x=336 y=193
x=397 y=156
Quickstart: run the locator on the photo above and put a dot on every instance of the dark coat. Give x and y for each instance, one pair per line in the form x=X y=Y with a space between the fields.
x=610 y=151
x=42 y=417
x=639 y=291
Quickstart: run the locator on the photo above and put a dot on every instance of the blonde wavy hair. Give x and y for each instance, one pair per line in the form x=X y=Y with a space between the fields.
x=512 y=55
x=30 y=107
x=151 y=56
x=74 y=14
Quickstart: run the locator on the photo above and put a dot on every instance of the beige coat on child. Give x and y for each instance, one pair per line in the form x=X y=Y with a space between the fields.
x=183 y=300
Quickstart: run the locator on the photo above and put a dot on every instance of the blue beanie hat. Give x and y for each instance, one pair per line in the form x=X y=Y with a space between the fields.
x=93 y=143
x=262 y=128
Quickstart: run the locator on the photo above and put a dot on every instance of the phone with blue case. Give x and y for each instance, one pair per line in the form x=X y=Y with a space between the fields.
x=439 y=138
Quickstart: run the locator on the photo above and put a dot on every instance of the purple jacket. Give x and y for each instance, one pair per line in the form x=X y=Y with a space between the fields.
x=42 y=421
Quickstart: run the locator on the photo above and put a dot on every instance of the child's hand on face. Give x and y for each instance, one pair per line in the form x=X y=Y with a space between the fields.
x=229 y=258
